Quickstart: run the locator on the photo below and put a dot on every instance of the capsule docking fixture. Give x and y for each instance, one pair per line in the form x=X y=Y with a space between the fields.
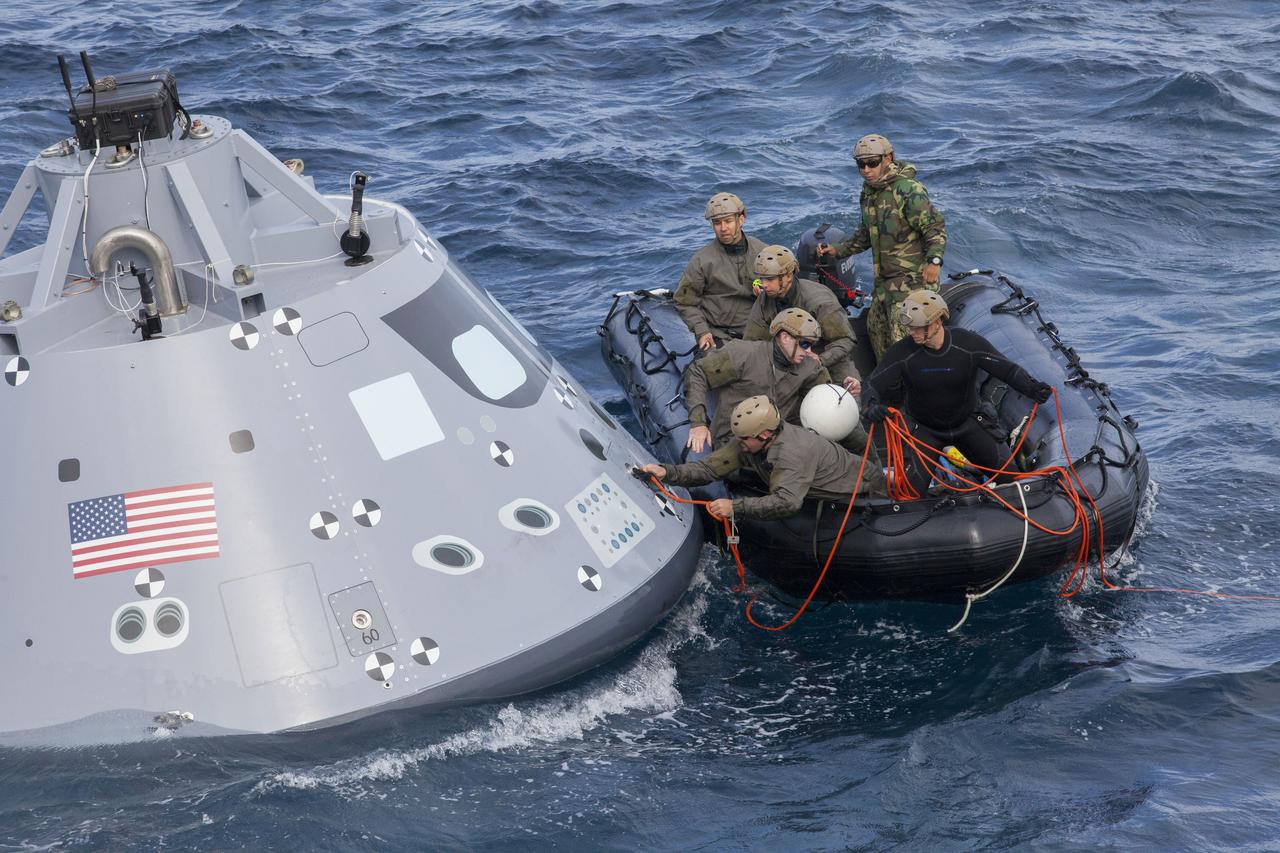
x=355 y=240
x=148 y=317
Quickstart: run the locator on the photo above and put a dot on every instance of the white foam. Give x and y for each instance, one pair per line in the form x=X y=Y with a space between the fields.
x=648 y=686
x=1123 y=558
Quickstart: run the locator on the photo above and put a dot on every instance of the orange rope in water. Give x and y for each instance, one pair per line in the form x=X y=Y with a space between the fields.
x=737 y=558
x=1073 y=489
x=899 y=440
x=899 y=437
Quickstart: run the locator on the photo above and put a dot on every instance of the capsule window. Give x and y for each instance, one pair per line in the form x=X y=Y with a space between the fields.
x=449 y=554
x=453 y=555
x=526 y=515
x=593 y=444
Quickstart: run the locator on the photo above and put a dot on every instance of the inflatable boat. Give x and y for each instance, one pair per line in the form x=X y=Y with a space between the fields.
x=945 y=544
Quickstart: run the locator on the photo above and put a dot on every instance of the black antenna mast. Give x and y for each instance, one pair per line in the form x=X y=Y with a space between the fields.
x=66 y=81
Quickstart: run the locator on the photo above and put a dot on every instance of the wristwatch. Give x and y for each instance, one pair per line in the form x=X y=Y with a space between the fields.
x=936 y=260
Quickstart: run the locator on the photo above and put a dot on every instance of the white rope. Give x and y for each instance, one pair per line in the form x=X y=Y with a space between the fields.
x=270 y=264
x=142 y=168
x=971 y=597
x=124 y=308
x=292 y=263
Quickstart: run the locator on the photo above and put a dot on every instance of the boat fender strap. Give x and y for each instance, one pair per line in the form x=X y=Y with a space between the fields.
x=957 y=276
x=945 y=503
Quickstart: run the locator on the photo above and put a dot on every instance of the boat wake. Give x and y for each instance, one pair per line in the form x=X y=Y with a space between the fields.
x=647 y=685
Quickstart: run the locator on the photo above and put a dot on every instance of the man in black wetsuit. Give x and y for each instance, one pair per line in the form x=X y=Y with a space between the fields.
x=935 y=368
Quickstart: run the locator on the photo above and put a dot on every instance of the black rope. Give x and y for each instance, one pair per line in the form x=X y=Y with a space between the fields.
x=638 y=323
x=946 y=503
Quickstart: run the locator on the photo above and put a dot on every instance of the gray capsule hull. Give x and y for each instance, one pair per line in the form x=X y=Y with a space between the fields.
x=327 y=491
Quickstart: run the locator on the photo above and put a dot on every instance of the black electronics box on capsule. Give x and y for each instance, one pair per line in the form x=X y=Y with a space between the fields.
x=144 y=103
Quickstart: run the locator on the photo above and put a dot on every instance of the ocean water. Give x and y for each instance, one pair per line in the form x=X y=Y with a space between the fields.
x=1121 y=161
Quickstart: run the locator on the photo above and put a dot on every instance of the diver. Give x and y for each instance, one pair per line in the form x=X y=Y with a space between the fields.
x=714 y=296
x=935 y=368
x=780 y=289
x=797 y=463
x=784 y=368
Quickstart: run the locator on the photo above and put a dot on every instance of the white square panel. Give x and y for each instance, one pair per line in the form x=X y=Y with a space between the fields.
x=611 y=522
x=278 y=624
x=396 y=416
x=489 y=364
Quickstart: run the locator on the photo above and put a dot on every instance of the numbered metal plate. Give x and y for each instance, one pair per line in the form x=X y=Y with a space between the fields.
x=362 y=619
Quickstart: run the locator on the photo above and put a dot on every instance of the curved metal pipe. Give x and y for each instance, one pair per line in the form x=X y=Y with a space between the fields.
x=170 y=295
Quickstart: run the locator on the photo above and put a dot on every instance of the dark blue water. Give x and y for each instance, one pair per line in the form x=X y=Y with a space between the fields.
x=1120 y=160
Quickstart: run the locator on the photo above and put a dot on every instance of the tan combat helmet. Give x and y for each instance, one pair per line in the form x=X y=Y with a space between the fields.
x=753 y=416
x=799 y=323
x=775 y=261
x=922 y=307
x=722 y=205
x=872 y=145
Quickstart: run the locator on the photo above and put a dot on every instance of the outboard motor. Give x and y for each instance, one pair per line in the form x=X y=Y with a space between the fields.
x=840 y=275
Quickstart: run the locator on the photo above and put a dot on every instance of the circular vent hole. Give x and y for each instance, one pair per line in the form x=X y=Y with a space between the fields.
x=453 y=555
x=592 y=443
x=533 y=516
x=169 y=619
x=603 y=415
x=131 y=624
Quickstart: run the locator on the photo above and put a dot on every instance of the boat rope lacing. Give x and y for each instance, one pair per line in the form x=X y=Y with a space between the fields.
x=1019 y=304
x=655 y=357
x=899 y=439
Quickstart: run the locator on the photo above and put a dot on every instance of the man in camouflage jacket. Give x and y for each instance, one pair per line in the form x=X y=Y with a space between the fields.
x=905 y=232
x=714 y=296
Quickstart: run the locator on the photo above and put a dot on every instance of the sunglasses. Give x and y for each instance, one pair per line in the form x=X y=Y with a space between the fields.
x=806 y=345
x=869 y=162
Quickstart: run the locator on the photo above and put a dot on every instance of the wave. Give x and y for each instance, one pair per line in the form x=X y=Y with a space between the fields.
x=647 y=686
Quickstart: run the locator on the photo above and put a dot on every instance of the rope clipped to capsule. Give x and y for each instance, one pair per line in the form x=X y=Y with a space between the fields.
x=731 y=538
x=899 y=441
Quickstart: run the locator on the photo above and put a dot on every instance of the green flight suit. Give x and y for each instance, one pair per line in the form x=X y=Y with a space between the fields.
x=715 y=294
x=798 y=464
x=903 y=230
x=742 y=369
x=837 y=335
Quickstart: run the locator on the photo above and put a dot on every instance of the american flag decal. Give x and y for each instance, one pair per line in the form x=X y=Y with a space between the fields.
x=138 y=529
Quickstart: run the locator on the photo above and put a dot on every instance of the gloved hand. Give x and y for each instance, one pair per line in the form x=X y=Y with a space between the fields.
x=1041 y=392
x=875 y=412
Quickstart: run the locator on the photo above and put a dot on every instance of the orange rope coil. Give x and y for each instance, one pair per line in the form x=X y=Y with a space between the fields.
x=899 y=441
